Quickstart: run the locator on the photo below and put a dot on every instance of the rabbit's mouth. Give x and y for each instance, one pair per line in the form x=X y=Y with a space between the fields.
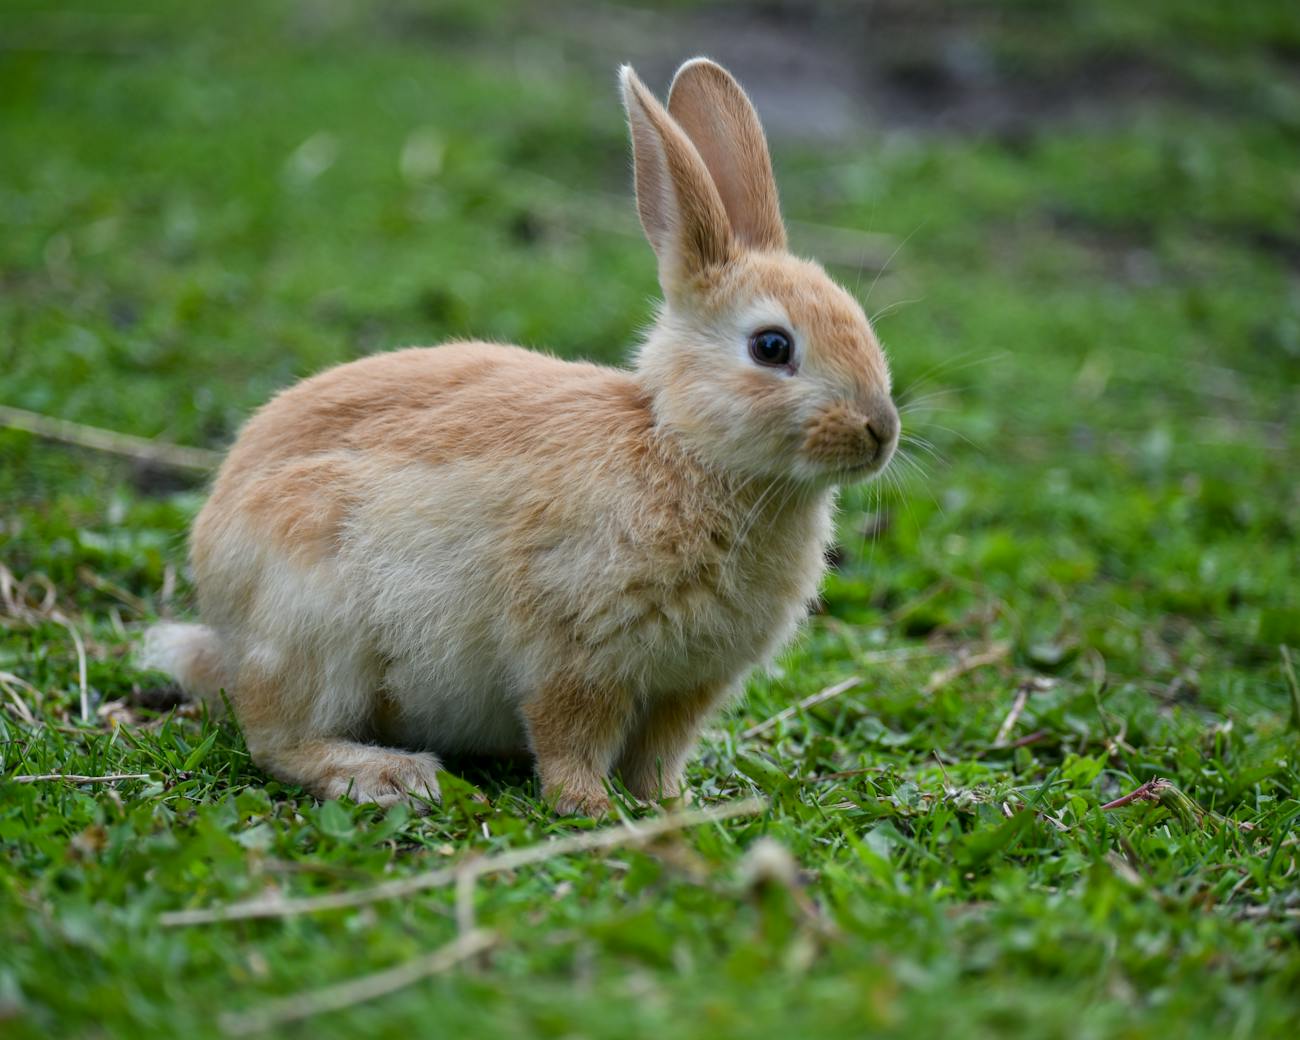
x=852 y=473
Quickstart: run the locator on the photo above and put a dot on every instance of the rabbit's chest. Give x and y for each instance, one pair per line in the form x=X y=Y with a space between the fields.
x=698 y=612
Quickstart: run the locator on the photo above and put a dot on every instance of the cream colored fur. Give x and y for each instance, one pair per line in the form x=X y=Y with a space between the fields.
x=476 y=548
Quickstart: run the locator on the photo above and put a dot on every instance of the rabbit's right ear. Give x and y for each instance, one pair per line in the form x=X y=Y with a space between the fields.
x=680 y=208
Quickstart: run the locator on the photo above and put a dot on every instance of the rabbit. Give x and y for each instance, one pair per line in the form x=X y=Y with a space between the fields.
x=476 y=548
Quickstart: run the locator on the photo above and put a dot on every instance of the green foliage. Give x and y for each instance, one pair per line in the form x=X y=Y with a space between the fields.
x=1094 y=325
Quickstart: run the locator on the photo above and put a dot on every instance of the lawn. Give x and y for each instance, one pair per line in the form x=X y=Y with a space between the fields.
x=1078 y=225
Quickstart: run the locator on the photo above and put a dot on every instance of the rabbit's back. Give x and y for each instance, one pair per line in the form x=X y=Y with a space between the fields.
x=304 y=460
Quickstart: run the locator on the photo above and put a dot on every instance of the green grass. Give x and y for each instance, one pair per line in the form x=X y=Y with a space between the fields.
x=1102 y=343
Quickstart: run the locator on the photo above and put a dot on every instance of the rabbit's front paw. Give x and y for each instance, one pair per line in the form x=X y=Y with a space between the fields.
x=651 y=785
x=579 y=802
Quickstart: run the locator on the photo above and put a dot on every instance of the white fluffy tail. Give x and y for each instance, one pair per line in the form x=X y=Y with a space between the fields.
x=190 y=654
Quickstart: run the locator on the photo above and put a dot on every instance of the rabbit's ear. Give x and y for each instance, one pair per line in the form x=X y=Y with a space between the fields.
x=722 y=124
x=682 y=214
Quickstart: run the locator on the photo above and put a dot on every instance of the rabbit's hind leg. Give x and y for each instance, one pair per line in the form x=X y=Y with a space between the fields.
x=334 y=768
x=303 y=731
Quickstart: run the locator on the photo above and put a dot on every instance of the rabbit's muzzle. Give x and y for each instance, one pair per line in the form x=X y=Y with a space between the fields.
x=854 y=441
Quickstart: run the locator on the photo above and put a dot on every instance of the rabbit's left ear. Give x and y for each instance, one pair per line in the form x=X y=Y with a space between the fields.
x=683 y=217
x=721 y=122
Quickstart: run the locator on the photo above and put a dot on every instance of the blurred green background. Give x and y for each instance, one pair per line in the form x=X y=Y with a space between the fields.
x=1078 y=227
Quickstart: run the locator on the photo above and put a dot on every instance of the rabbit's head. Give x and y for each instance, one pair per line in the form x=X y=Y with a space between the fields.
x=758 y=361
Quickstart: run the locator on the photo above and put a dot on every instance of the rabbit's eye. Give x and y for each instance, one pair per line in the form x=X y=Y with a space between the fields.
x=770 y=347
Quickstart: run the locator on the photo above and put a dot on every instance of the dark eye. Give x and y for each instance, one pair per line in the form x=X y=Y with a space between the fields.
x=770 y=347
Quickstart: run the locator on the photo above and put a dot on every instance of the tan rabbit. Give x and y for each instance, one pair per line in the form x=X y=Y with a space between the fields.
x=476 y=548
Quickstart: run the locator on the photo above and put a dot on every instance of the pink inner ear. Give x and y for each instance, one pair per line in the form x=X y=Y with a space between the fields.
x=654 y=199
x=683 y=216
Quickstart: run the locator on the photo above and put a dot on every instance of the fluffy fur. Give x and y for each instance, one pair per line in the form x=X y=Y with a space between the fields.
x=476 y=548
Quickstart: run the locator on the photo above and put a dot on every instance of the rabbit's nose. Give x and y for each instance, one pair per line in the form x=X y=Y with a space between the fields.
x=872 y=436
x=882 y=424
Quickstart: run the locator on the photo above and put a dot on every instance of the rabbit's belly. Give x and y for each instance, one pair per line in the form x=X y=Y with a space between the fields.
x=456 y=706
x=450 y=685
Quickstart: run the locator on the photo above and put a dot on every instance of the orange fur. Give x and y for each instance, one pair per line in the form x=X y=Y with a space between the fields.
x=652 y=759
x=478 y=548
x=576 y=729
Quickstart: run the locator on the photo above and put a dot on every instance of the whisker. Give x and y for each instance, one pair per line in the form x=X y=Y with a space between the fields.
x=876 y=501
x=909 y=437
x=896 y=488
x=890 y=308
x=907 y=503
x=751 y=518
x=910 y=404
x=911 y=465
x=857 y=284
x=959 y=363
x=885 y=266
x=949 y=430
x=920 y=478
x=875 y=507
x=869 y=502
x=926 y=445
